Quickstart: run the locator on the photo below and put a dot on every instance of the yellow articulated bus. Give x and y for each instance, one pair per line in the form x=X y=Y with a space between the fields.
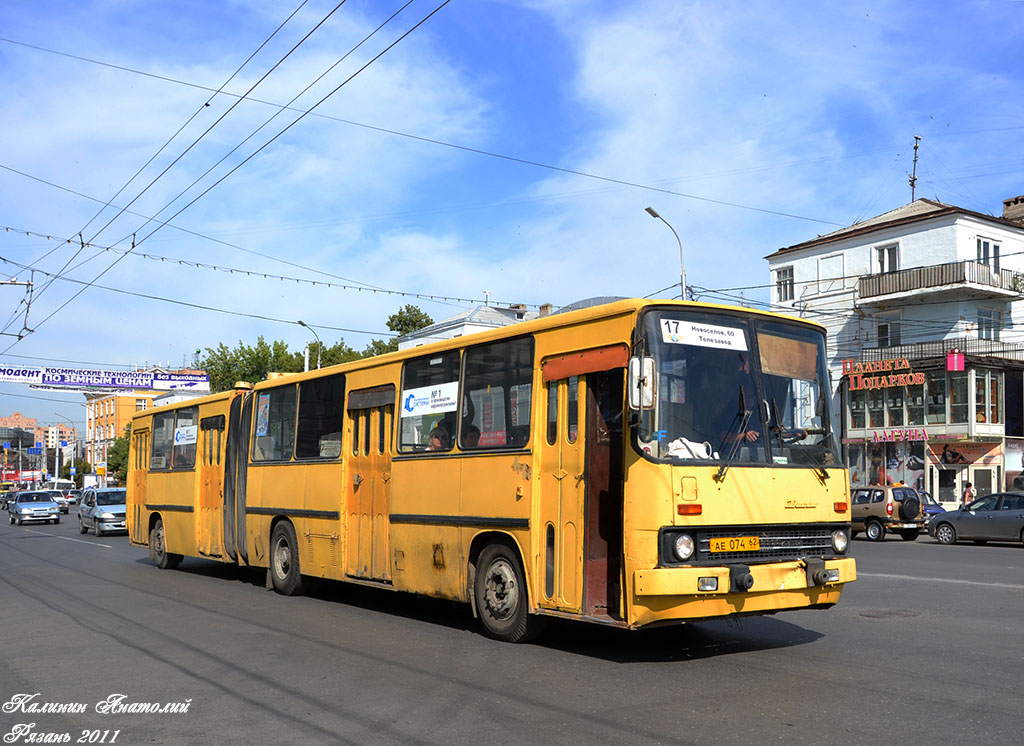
x=632 y=464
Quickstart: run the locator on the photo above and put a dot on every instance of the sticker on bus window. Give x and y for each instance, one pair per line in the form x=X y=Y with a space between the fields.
x=263 y=415
x=441 y=397
x=674 y=331
x=185 y=435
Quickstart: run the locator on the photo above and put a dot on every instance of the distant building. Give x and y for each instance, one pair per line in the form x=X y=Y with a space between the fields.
x=477 y=319
x=921 y=306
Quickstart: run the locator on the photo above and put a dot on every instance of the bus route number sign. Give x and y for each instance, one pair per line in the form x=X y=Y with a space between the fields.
x=735 y=543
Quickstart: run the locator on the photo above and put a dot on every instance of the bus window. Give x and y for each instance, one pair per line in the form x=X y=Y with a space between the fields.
x=275 y=424
x=552 y=412
x=163 y=439
x=186 y=434
x=321 y=404
x=430 y=396
x=498 y=386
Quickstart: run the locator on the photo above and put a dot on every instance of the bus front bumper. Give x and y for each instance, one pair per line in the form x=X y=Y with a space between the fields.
x=704 y=592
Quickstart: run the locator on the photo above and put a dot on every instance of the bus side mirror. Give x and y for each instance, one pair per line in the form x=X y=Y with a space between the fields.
x=641 y=383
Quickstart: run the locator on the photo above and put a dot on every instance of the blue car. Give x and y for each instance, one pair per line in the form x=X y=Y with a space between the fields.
x=33 y=506
x=929 y=506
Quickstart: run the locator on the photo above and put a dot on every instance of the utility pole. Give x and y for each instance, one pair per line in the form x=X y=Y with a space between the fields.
x=913 y=176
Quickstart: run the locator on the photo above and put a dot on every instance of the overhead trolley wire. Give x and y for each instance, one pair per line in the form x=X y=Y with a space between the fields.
x=246 y=160
x=164 y=146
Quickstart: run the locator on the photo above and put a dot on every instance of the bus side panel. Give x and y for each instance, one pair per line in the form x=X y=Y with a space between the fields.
x=321 y=536
x=427 y=553
x=172 y=495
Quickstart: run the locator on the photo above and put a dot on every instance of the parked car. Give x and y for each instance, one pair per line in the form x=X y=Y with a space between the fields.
x=34 y=505
x=877 y=509
x=103 y=511
x=996 y=517
x=930 y=506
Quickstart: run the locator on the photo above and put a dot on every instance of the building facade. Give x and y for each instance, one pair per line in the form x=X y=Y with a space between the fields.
x=923 y=306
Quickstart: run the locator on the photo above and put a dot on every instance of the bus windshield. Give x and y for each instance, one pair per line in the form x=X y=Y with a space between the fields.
x=736 y=389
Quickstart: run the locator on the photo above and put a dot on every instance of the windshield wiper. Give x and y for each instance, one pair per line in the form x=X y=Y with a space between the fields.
x=734 y=438
x=796 y=435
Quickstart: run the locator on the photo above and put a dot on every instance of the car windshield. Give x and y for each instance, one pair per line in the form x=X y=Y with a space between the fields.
x=113 y=497
x=38 y=497
x=731 y=387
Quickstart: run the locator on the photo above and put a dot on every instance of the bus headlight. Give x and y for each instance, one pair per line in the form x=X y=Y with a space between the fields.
x=840 y=540
x=683 y=547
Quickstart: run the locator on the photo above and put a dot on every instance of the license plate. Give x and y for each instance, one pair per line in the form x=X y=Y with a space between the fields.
x=735 y=544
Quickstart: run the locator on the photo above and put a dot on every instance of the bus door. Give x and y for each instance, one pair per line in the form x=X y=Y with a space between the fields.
x=137 y=475
x=371 y=415
x=562 y=495
x=210 y=513
x=581 y=482
x=603 y=515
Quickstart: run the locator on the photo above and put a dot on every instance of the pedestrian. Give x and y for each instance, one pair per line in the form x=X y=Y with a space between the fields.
x=969 y=493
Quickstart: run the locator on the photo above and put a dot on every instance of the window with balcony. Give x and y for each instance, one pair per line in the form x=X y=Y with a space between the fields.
x=784 y=284
x=989 y=323
x=887 y=258
x=888 y=331
x=988 y=253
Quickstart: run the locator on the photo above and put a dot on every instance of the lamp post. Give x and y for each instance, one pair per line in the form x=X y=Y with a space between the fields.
x=319 y=344
x=71 y=422
x=682 y=270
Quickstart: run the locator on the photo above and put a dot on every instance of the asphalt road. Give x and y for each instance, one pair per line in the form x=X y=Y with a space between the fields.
x=924 y=649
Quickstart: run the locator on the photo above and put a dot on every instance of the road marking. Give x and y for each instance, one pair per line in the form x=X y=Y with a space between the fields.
x=939 y=580
x=68 y=538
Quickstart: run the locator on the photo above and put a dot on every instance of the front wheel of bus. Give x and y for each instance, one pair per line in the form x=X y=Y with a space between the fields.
x=284 y=561
x=501 y=596
x=158 y=548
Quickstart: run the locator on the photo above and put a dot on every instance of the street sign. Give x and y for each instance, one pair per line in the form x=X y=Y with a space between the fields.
x=63 y=444
x=34 y=451
x=39 y=444
x=73 y=472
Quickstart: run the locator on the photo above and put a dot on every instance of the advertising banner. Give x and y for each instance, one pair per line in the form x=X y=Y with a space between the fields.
x=79 y=379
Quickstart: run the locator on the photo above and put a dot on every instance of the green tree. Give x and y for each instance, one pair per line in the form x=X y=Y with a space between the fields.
x=82 y=467
x=117 y=456
x=225 y=366
x=406 y=320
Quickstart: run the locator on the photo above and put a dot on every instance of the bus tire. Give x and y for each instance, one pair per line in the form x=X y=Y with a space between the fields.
x=158 y=549
x=285 y=572
x=501 y=596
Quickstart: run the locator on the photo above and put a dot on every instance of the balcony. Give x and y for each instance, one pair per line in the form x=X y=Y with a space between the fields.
x=950 y=281
x=971 y=346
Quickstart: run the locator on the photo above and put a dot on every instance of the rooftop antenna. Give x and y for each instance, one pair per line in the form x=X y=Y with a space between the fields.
x=913 y=176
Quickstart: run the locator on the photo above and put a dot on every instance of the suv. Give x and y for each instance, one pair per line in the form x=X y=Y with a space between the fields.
x=877 y=508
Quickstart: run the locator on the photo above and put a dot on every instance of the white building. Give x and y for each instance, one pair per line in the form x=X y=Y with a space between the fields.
x=898 y=293
x=477 y=319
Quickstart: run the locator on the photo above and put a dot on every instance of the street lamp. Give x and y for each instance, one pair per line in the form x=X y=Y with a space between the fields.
x=319 y=344
x=57 y=457
x=682 y=270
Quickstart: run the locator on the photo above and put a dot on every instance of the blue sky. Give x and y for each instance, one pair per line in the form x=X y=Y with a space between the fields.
x=523 y=141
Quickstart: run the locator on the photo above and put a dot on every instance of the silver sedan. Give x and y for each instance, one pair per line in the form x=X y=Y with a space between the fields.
x=998 y=517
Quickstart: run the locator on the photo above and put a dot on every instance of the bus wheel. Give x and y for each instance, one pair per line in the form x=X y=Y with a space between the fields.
x=501 y=596
x=284 y=561
x=158 y=549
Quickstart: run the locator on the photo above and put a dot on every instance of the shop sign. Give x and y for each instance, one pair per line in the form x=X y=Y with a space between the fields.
x=892 y=436
x=862 y=375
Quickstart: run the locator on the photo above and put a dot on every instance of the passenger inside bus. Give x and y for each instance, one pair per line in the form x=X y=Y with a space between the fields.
x=438 y=440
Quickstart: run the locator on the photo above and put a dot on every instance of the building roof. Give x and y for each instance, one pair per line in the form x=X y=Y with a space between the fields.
x=917 y=211
x=484 y=316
